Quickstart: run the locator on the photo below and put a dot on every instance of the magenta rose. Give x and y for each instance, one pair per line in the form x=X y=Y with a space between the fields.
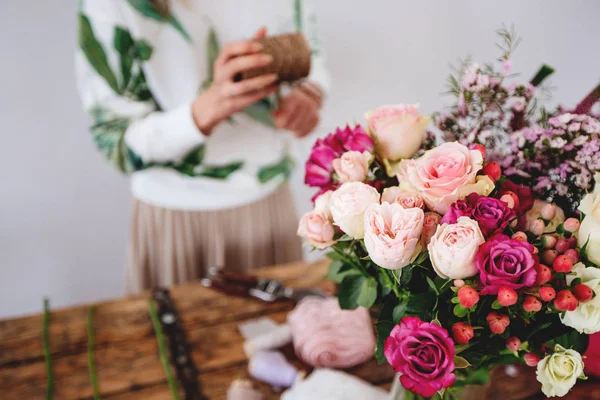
x=503 y=261
x=492 y=215
x=458 y=209
x=524 y=194
x=423 y=353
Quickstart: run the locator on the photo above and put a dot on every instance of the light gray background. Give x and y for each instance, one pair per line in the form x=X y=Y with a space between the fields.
x=64 y=212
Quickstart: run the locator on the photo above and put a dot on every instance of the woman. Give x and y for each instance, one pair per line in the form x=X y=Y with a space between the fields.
x=207 y=154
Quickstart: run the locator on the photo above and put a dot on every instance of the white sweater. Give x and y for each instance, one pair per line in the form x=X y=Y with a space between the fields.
x=138 y=71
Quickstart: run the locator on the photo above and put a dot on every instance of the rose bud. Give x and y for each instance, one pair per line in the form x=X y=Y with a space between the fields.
x=571 y=225
x=562 y=264
x=479 y=147
x=519 y=235
x=544 y=274
x=498 y=322
x=537 y=227
x=565 y=301
x=513 y=343
x=583 y=292
x=468 y=296
x=493 y=170
x=549 y=256
x=531 y=359
x=547 y=293
x=549 y=241
x=562 y=245
x=508 y=199
x=573 y=255
x=462 y=332
x=548 y=211
x=532 y=304
x=459 y=283
x=507 y=296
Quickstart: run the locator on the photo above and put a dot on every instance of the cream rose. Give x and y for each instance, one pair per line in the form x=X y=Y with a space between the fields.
x=348 y=205
x=317 y=229
x=586 y=317
x=395 y=194
x=322 y=204
x=558 y=372
x=392 y=234
x=453 y=247
x=399 y=130
x=443 y=175
x=589 y=232
x=353 y=166
x=535 y=213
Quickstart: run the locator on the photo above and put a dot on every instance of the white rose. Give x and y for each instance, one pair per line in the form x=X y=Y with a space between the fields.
x=322 y=204
x=589 y=232
x=586 y=317
x=348 y=204
x=453 y=247
x=353 y=166
x=559 y=371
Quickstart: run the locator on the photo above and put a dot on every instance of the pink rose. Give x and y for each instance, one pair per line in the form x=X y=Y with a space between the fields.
x=322 y=203
x=406 y=199
x=392 y=234
x=430 y=224
x=423 y=354
x=353 y=166
x=348 y=205
x=399 y=130
x=453 y=248
x=442 y=175
x=317 y=229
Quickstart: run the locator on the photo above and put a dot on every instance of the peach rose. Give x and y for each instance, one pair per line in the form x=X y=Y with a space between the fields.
x=348 y=205
x=317 y=229
x=392 y=234
x=399 y=130
x=453 y=248
x=430 y=224
x=443 y=175
x=353 y=166
x=395 y=194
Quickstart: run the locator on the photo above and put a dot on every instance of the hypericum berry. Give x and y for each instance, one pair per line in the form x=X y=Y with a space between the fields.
x=532 y=304
x=507 y=296
x=571 y=225
x=562 y=264
x=549 y=256
x=459 y=283
x=531 y=359
x=547 y=293
x=573 y=255
x=478 y=147
x=544 y=274
x=548 y=211
x=537 y=227
x=513 y=343
x=467 y=296
x=565 y=301
x=498 y=322
x=583 y=292
x=572 y=242
x=549 y=241
x=562 y=245
x=462 y=332
x=521 y=236
x=492 y=170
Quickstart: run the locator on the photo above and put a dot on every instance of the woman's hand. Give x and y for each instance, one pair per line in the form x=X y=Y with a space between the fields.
x=298 y=112
x=226 y=97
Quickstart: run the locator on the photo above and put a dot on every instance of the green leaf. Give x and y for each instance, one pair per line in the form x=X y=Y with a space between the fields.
x=420 y=303
x=460 y=362
x=109 y=137
x=460 y=311
x=496 y=305
x=95 y=54
x=221 y=172
x=149 y=10
x=261 y=113
x=368 y=294
x=544 y=72
x=284 y=167
x=212 y=52
x=399 y=312
x=479 y=376
x=298 y=15
x=573 y=340
x=338 y=271
x=143 y=50
x=357 y=290
x=432 y=285
x=123 y=43
x=383 y=329
x=195 y=156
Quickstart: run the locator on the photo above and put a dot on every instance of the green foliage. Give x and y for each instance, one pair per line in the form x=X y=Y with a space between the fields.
x=148 y=9
x=221 y=172
x=283 y=167
x=383 y=329
x=357 y=290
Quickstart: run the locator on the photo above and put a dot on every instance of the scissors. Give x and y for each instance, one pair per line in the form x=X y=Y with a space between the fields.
x=268 y=290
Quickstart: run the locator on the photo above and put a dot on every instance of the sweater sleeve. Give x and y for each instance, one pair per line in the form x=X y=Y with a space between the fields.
x=129 y=128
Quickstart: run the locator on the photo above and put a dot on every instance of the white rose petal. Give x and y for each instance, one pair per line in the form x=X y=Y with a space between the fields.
x=559 y=371
x=348 y=204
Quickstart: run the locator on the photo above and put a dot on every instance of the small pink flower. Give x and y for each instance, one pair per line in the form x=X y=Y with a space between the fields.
x=352 y=166
x=462 y=332
x=395 y=194
x=498 y=322
x=532 y=304
x=317 y=228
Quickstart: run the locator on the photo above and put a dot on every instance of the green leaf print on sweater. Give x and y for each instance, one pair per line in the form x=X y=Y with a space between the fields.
x=149 y=10
x=284 y=167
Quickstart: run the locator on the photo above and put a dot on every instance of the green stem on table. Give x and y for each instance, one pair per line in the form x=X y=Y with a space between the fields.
x=47 y=354
x=162 y=351
x=90 y=352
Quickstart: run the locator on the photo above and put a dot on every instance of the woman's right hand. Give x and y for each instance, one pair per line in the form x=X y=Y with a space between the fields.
x=226 y=97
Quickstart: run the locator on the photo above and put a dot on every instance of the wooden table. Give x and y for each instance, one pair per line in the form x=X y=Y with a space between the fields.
x=127 y=360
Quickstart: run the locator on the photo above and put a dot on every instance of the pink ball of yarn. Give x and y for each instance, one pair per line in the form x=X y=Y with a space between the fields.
x=324 y=335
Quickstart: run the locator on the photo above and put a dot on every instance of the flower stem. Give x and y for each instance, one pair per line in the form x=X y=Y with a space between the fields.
x=90 y=352
x=585 y=105
x=544 y=72
x=162 y=351
x=47 y=354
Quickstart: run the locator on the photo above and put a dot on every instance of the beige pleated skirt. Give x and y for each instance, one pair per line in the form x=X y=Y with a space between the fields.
x=167 y=247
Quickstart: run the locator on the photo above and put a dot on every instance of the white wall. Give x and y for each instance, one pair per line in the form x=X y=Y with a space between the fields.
x=64 y=212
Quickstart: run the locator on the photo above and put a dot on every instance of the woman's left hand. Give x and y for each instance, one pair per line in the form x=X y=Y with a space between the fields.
x=298 y=112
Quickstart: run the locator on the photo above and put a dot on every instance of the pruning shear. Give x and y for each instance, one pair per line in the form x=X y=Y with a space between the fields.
x=268 y=290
